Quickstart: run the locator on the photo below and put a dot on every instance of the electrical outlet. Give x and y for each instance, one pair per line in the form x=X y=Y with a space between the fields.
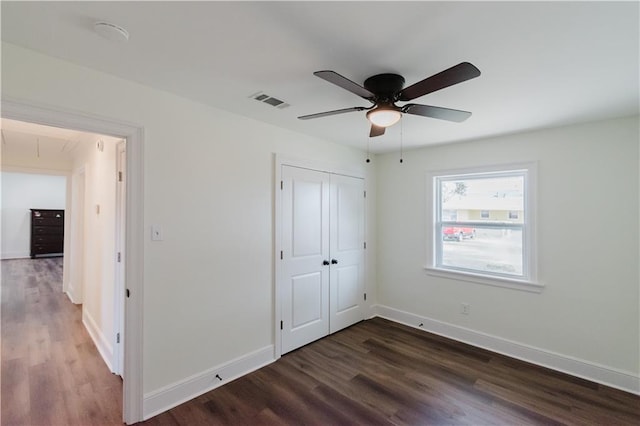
x=465 y=308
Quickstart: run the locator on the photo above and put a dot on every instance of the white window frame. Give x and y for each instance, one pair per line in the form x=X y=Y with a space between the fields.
x=529 y=279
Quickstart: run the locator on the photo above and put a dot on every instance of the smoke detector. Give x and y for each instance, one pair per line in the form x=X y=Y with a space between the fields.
x=111 y=31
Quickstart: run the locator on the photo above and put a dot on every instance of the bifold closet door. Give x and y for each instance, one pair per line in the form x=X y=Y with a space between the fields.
x=322 y=237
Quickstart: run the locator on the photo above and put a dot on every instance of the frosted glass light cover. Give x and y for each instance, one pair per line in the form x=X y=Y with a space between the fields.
x=383 y=117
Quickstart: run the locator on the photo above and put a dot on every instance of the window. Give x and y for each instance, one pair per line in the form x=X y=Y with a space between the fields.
x=482 y=224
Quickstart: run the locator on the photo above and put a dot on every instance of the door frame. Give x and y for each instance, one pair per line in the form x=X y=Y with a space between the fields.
x=280 y=160
x=134 y=240
x=120 y=256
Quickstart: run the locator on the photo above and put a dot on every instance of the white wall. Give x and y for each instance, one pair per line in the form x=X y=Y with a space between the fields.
x=19 y=160
x=93 y=283
x=21 y=192
x=587 y=245
x=74 y=271
x=208 y=181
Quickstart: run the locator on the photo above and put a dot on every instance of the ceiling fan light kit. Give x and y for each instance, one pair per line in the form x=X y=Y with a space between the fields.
x=384 y=90
x=384 y=116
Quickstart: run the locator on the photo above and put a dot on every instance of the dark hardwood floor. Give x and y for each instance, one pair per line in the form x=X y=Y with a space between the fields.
x=381 y=373
x=374 y=373
x=51 y=371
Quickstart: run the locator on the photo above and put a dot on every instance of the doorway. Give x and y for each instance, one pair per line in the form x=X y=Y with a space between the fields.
x=133 y=241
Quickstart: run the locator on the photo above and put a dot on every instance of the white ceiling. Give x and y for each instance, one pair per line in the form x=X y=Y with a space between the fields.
x=543 y=64
x=26 y=140
x=51 y=145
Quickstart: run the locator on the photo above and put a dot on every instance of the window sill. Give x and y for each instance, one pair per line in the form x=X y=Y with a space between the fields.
x=530 y=286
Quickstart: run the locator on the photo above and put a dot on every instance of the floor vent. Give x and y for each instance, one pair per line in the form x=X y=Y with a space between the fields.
x=274 y=102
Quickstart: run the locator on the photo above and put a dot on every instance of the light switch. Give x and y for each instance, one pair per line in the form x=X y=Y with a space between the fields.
x=156 y=233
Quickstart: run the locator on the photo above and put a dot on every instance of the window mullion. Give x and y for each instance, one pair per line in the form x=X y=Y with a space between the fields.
x=479 y=224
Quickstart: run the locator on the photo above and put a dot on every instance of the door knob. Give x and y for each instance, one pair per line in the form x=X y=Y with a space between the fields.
x=325 y=262
x=334 y=261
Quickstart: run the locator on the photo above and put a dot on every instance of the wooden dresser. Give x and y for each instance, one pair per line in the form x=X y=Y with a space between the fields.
x=47 y=232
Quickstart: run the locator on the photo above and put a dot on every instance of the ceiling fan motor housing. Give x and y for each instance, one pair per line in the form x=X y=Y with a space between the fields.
x=385 y=86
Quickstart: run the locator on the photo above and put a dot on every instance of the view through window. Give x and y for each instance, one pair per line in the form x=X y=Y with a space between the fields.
x=481 y=223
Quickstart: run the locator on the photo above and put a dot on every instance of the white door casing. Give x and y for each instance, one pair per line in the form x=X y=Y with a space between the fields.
x=118 y=326
x=321 y=285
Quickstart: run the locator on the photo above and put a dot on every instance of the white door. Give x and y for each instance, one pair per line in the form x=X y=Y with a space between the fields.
x=118 y=323
x=322 y=261
x=305 y=257
x=347 y=252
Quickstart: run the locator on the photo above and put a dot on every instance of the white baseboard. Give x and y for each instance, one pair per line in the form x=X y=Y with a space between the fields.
x=71 y=297
x=615 y=378
x=182 y=391
x=71 y=294
x=15 y=255
x=105 y=348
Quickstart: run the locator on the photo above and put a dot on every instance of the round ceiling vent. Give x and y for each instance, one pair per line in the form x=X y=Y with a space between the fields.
x=111 y=31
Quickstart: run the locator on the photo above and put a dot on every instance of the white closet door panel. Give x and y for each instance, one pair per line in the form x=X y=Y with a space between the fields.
x=347 y=252
x=306 y=299
x=305 y=244
x=348 y=203
x=307 y=218
x=347 y=286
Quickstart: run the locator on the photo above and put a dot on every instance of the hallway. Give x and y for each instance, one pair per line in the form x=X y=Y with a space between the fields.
x=51 y=371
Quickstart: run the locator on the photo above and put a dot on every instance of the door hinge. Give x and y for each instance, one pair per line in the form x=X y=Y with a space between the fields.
x=365 y=297
x=118 y=338
x=119 y=257
x=281 y=185
x=281 y=255
x=119 y=176
x=365 y=194
x=365 y=245
x=281 y=325
x=128 y=293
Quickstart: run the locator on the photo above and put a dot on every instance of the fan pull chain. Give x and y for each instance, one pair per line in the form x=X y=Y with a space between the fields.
x=401 y=137
x=368 y=148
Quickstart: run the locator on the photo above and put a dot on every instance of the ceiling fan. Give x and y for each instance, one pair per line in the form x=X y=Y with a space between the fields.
x=384 y=90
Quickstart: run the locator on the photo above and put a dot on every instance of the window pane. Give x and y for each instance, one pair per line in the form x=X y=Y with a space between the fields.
x=449 y=215
x=483 y=198
x=480 y=222
x=489 y=250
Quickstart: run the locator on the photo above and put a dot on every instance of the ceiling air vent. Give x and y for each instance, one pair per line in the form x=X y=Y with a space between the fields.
x=267 y=99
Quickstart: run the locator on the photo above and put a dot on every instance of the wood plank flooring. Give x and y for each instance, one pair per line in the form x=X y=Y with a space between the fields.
x=382 y=373
x=51 y=371
x=374 y=373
